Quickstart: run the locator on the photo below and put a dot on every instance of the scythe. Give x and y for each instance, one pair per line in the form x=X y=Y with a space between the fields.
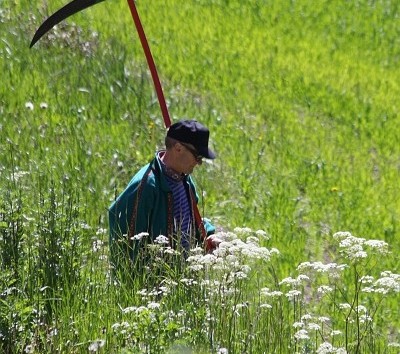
x=78 y=5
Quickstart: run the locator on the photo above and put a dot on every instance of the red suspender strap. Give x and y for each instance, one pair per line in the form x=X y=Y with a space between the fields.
x=132 y=224
x=199 y=223
x=150 y=62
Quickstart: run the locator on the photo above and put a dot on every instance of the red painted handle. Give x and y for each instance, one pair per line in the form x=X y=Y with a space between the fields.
x=150 y=62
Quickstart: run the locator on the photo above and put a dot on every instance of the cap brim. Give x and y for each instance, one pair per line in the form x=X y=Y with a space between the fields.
x=207 y=153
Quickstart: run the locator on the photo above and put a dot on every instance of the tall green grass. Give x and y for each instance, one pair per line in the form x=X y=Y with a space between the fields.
x=302 y=102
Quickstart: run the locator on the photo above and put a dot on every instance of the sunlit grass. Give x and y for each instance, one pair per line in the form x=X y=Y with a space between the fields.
x=302 y=102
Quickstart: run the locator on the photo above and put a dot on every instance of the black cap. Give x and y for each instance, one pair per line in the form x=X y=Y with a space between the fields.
x=194 y=133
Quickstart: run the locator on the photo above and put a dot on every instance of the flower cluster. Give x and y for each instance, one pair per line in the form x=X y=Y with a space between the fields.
x=333 y=270
x=387 y=283
x=231 y=252
x=96 y=345
x=327 y=347
x=309 y=325
x=353 y=248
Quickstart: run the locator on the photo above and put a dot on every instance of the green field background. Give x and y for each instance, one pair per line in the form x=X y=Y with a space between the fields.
x=301 y=98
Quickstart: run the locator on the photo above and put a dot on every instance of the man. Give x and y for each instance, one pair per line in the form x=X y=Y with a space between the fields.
x=161 y=198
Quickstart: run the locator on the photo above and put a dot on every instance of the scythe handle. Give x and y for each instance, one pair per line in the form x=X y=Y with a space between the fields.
x=150 y=62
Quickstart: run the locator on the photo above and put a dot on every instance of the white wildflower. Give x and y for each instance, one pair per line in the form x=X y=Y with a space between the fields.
x=196 y=267
x=294 y=282
x=341 y=235
x=143 y=292
x=252 y=240
x=188 y=282
x=196 y=251
x=267 y=292
x=221 y=251
x=242 y=230
x=101 y=231
x=155 y=292
x=141 y=309
x=366 y=279
x=29 y=105
x=85 y=226
x=16 y=176
x=301 y=334
x=29 y=349
x=123 y=325
x=352 y=247
x=352 y=241
x=298 y=325
x=226 y=236
x=276 y=293
x=12 y=289
x=314 y=326
x=302 y=277
x=240 y=306
x=336 y=332
x=222 y=351
x=378 y=245
x=324 y=319
x=139 y=236
x=165 y=290
x=319 y=267
x=232 y=260
x=240 y=275
x=96 y=345
x=169 y=250
x=304 y=265
x=288 y=281
x=388 y=273
x=194 y=259
x=153 y=305
x=324 y=289
x=96 y=245
x=115 y=326
x=357 y=255
x=368 y=289
x=306 y=317
x=394 y=345
x=162 y=240
x=292 y=294
x=344 y=306
x=263 y=234
x=266 y=306
x=361 y=308
x=245 y=268
x=273 y=251
x=53 y=332
x=388 y=282
x=129 y=309
x=326 y=348
x=365 y=318
x=208 y=259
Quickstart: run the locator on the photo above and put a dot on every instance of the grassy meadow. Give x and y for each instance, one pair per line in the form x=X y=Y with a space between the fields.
x=302 y=101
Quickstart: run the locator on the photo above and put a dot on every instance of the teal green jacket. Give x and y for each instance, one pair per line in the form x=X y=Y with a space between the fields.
x=146 y=205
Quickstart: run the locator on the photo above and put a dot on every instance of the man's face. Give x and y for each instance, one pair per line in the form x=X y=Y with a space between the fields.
x=188 y=158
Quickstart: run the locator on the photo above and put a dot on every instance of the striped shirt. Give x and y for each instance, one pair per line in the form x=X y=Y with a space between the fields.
x=182 y=211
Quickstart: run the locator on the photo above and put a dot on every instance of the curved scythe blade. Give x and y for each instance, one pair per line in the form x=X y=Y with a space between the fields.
x=68 y=10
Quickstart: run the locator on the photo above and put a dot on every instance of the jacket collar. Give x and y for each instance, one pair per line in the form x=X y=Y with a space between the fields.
x=158 y=171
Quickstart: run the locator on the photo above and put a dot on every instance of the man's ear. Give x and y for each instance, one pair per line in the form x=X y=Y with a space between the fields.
x=178 y=146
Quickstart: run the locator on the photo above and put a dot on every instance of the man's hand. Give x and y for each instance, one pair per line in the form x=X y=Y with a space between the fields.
x=212 y=243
